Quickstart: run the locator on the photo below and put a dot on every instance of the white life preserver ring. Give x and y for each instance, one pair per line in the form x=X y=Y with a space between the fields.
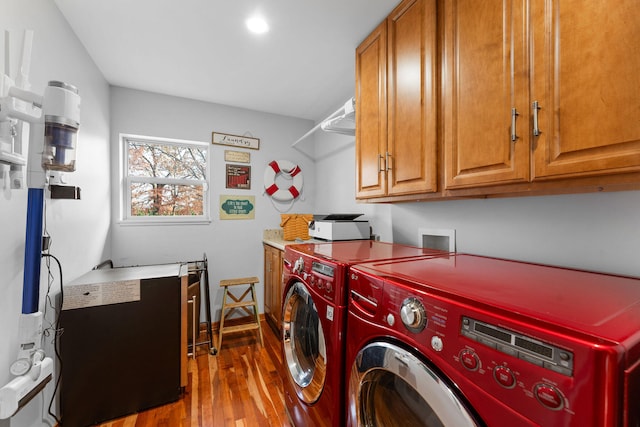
x=289 y=170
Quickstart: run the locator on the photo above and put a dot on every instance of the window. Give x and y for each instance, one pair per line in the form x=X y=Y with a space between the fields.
x=164 y=180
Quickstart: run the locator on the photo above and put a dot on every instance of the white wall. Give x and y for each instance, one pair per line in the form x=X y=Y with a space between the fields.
x=233 y=247
x=335 y=174
x=79 y=228
x=596 y=231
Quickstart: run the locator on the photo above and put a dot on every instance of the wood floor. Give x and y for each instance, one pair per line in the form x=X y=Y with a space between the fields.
x=241 y=386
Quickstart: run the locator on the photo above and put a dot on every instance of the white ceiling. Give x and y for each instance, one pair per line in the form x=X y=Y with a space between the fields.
x=200 y=49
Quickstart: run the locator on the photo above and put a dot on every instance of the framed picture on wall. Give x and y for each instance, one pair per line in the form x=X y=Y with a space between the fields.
x=237 y=156
x=237 y=207
x=235 y=140
x=238 y=176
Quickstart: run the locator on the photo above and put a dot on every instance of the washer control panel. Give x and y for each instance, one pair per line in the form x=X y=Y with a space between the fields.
x=517 y=345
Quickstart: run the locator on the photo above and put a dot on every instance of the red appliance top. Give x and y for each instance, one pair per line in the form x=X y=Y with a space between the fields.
x=599 y=305
x=356 y=251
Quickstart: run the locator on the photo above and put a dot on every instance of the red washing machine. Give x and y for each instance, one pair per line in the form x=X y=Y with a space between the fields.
x=314 y=320
x=464 y=340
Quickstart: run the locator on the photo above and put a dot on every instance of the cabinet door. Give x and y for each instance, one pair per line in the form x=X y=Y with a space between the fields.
x=484 y=78
x=371 y=114
x=277 y=288
x=272 y=285
x=586 y=78
x=268 y=281
x=411 y=161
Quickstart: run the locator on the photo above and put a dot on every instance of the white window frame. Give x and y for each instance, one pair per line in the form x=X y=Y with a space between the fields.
x=125 y=183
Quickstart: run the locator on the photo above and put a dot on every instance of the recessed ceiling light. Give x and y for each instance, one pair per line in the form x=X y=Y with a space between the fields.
x=257 y=24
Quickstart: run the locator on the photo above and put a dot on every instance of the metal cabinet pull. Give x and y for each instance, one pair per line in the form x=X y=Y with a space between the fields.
x=192 y=302
x=380 y=169
x=536 y=128
x=388 y=161
x=514 y=114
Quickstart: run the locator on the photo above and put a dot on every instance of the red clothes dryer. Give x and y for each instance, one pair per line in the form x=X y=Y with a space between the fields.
x=464 y=340
x=314 y=321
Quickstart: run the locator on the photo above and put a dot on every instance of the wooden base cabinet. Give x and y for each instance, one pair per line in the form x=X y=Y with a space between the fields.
x=396 y=104
x=273 y=286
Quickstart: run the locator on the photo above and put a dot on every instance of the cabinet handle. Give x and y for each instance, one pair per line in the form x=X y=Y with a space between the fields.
x=388 y=161
x=192 y=301
x=536 y=128
x=514 y=114
x=380 y=163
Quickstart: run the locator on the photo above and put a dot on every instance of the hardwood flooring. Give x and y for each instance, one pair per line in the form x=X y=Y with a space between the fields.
x=241 y=387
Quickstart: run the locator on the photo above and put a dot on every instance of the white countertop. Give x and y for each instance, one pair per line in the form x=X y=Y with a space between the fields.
x=274 y=238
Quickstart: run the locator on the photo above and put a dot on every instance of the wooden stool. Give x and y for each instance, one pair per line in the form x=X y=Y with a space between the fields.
x=239 y=303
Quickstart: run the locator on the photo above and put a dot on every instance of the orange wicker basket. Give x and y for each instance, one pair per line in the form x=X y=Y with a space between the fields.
x=295 y=226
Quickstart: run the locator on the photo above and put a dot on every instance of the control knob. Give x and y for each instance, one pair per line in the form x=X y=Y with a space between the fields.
x=298 y=266
x=413 y=315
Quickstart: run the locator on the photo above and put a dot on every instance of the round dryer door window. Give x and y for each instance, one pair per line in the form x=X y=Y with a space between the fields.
x=387 y=381
x=304 y=344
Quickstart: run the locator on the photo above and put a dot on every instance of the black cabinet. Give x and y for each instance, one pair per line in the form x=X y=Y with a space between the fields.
x=122 y=342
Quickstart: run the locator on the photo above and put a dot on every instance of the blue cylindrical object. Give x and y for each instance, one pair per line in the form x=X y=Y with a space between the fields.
x=33 y=251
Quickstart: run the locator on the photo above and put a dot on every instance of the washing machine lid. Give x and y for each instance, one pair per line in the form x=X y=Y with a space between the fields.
x=391 y=386
x=597 y=304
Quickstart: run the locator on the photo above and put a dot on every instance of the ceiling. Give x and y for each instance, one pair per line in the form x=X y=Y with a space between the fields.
x=200 y=49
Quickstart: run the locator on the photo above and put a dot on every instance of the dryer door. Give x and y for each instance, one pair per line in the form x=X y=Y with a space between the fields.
x=303 y=343
x=389 y=386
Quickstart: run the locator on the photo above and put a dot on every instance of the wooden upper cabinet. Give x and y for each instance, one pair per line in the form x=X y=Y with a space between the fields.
x=586 y=78
x=499 y=98
x=567 y=73
x=411 y=162
x=485 y=102
x=371 y=113
x=396 y=110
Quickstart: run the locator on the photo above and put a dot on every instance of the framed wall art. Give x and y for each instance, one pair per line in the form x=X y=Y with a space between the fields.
x=238 y=176
x=237 y=156
x=235 y=140
x=237 y=207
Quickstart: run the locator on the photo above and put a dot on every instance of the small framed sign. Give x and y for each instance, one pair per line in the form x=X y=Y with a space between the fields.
x=239 y=176
x=237 y=207
x=237 y=156
x=235 y=140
